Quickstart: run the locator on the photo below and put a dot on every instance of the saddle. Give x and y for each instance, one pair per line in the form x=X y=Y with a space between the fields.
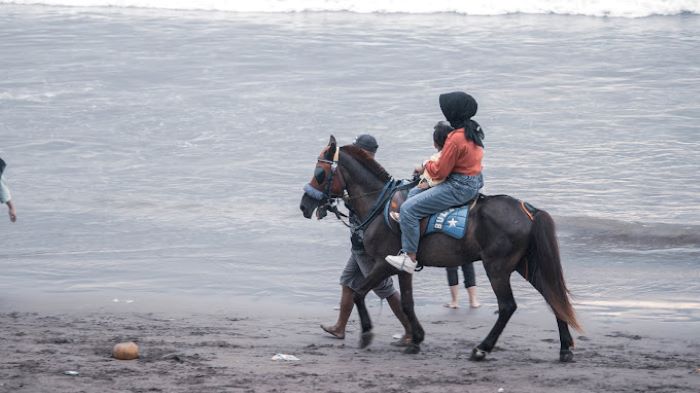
x=452 y=222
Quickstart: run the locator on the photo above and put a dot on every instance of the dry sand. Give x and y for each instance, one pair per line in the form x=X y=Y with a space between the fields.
x=229 y=349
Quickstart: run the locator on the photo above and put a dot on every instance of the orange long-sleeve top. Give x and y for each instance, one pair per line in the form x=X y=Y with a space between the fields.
x=458 y=155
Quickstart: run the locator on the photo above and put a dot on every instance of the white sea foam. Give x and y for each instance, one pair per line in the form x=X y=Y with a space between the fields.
x=632 y=304
x=619 y=8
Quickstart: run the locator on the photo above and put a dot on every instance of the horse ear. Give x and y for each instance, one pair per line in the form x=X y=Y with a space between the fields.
x=330 y=153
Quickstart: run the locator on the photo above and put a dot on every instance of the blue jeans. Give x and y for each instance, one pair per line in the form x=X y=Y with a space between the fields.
x=456 y=190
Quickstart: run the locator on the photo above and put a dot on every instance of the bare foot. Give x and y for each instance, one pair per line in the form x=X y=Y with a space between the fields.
x=451 y=305
x=333 y=331
x=474 y=304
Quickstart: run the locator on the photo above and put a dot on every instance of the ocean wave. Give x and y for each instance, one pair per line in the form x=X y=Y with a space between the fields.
x=622 y=8
x=624 y=235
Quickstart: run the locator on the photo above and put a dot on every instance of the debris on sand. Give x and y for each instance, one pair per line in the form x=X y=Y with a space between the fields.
x=285 y=357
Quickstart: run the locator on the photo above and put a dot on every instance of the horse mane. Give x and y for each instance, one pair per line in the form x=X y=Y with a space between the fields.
x=364 y=158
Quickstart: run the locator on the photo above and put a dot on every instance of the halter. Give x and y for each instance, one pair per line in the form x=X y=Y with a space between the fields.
x=326 y=197
x=327 y=193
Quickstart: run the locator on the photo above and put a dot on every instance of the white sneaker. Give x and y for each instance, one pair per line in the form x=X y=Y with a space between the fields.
x=402 y=262
x=395 y=216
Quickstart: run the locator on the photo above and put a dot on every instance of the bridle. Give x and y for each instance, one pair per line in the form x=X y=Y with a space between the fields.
x=328 y=192
x=328 y=197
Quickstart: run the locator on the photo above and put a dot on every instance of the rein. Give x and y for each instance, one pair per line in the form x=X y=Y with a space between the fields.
x=385 y=194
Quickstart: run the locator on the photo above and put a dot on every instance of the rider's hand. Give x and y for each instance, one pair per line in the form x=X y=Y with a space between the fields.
x=418 y=170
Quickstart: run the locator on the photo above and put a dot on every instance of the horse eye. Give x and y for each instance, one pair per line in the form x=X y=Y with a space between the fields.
x=320 y=175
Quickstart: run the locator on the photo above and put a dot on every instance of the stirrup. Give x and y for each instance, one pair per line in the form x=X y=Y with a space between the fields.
x=396 y=216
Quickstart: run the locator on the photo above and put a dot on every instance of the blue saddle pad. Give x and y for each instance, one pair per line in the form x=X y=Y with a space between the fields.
x=451 y=222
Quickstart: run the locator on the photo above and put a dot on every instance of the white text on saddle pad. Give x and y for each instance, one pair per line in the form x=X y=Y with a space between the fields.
x=440 y=219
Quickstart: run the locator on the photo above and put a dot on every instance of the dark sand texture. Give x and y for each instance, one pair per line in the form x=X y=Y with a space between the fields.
x=231 y=352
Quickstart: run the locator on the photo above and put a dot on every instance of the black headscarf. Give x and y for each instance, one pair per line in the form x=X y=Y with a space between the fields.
x=458 y=108
x=2 y=166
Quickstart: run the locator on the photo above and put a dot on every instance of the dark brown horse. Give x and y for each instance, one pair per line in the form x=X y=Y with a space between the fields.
x=501 y=233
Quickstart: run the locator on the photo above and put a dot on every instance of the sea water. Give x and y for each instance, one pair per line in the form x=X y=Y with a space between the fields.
x=163 y=151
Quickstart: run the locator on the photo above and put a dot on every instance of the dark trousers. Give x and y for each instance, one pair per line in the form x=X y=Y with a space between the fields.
x=467 y=270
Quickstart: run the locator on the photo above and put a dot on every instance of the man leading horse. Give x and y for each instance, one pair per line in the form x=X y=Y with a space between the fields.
x=505 y=233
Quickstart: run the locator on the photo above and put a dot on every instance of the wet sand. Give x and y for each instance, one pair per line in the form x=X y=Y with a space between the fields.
x=229 y=349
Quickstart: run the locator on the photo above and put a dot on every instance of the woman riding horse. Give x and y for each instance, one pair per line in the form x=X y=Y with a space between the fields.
x=505 y=233
x=459 y=164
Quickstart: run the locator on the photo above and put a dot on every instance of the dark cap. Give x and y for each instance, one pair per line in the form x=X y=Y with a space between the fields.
x=367 y=142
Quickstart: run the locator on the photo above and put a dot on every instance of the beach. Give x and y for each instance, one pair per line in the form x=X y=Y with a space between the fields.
x=231 y=349
x=156 y=154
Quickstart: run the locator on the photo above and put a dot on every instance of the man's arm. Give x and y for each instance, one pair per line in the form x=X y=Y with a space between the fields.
x=6 y=198
x=12 y=211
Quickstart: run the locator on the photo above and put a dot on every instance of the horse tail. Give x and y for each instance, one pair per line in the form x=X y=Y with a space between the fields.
x=544 y=263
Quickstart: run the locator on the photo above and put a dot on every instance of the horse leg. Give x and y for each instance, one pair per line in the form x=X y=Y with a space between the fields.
x=500 y=282
x=373 y=279
x=417 y=332
x=365 y=321
x=565 y=354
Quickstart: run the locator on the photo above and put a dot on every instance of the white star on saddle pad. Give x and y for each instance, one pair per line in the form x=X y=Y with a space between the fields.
x=452 y=222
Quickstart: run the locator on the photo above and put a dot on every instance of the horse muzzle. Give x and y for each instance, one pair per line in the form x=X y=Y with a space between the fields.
x=308 y=205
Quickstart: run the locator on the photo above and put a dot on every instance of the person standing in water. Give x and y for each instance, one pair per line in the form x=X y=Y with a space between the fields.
x=469 y=284
x=5 y=196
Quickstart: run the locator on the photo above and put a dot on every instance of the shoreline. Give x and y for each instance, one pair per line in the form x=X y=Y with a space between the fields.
x=647 y=316
x=603 y=13
x=157 y=159
x=229 y=348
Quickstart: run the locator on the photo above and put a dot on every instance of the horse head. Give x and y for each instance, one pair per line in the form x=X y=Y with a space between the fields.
x=324 y=184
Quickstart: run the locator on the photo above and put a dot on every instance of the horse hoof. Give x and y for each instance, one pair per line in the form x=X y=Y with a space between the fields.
x=366 y=339
x=566 y=356
x=412 y=349
x=478 y=354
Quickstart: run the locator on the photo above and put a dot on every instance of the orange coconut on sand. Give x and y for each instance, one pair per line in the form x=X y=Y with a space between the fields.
x=126 y=351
